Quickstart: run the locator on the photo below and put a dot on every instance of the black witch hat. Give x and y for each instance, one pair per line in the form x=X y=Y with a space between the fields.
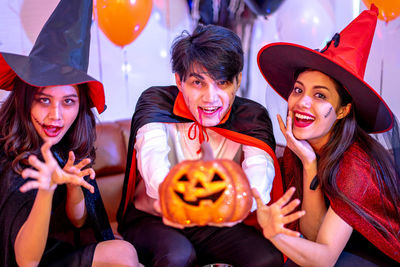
x=60 y=54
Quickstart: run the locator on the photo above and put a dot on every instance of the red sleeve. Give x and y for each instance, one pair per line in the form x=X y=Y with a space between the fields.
x=356 y=179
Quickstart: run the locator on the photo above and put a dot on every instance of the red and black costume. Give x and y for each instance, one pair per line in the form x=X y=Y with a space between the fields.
x=63 y=246
x=246 y=123
x=356 y=181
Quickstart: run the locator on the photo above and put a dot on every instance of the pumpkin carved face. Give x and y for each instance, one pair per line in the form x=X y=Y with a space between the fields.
x=201 y=192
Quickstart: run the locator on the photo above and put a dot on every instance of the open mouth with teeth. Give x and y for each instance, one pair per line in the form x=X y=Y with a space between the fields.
x=303 y=120
x=50 y=130
x=209 y=110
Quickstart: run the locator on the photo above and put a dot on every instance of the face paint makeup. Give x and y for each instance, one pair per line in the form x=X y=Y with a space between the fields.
x=329 y=112
x=207 y=98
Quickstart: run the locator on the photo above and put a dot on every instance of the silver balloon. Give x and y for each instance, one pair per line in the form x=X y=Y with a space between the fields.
x=308 y=22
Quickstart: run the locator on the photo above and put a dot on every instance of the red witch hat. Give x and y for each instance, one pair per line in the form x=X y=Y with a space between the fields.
x=60 y=54
x=344 y=58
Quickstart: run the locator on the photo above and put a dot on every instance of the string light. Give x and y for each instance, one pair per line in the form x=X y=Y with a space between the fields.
x=126 y=68
x=163 y=53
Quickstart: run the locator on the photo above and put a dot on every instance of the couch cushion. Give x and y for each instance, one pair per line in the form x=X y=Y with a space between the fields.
x=110 y=149
x=111 y=190
x=126 y=130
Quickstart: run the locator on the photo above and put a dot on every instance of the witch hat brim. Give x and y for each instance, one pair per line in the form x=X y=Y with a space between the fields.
x=60 y=54
x=278 y=63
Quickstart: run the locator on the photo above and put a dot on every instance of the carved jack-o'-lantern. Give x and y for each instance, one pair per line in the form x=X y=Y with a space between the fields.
x=205 y=191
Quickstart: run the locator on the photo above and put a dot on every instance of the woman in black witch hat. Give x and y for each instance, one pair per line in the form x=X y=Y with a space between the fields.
x=47 y=133
x=349 y=184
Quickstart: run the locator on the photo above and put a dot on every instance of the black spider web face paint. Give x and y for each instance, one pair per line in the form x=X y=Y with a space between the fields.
x=329 y=112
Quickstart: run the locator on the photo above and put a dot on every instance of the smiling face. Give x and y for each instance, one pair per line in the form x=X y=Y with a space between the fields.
x=208 y=100
x=315 y=106
x=201 y=192
x=53 y=111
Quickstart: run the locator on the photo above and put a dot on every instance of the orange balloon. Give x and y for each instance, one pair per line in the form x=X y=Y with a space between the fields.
x=122 y=20
x=388 y=9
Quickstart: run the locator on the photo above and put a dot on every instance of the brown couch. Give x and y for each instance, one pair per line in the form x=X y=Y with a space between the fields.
x=111 y=150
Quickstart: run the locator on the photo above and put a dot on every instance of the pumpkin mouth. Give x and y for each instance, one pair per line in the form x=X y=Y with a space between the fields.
x=213 y=197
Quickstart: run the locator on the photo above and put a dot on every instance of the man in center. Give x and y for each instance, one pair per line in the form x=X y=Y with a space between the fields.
x=168 y=126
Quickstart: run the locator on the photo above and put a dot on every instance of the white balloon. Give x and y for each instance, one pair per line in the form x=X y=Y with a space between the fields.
x=309 y=22
x=170 y=13
x=33 y=14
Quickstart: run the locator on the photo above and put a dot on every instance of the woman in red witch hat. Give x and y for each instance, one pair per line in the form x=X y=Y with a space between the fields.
x=348 y=183
x=47 y=133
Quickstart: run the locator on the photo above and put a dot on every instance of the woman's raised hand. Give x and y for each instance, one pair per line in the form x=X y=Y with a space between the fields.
x=48 y=174
x=77 y=169
x=273 y=218
x=300 y=147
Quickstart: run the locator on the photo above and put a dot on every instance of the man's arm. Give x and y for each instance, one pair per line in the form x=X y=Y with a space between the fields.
x=152 y=162
x=259 y=168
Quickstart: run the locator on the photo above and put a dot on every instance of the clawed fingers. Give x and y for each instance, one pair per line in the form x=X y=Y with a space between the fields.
x=83 y=163
x=71 y=160
x=86 y=172
x=30 y=173
x=77 y=180
x=46 y=152
x=29 y=186
x=35 y=162
x=86 y=185
x=77 y=169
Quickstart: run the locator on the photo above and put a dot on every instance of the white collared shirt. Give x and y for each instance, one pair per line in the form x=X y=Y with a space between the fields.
x=162 y=145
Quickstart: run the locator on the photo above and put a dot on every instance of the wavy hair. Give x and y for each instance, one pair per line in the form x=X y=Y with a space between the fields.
x=18 y=136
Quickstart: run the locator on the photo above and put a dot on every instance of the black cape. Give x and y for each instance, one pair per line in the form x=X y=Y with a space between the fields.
x=16 y=206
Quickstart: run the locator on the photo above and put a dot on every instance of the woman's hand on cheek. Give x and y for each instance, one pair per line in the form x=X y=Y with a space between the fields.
x=46 y=175
x=300 y=147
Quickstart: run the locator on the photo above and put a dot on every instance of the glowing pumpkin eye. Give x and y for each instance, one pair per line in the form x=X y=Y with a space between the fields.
x=201 y=192
x=216 y=178
x=183 y=179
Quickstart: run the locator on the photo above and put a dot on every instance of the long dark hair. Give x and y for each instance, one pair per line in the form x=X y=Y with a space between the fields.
x=345 y=132
x=19 y=139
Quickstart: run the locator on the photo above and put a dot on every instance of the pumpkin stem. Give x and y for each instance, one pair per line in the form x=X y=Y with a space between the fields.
x=206 y=149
